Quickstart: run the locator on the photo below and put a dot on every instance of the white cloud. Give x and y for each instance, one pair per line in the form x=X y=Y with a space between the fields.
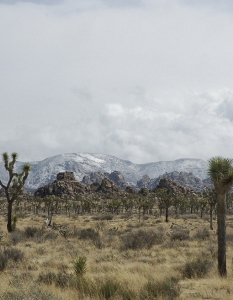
x=146 y=81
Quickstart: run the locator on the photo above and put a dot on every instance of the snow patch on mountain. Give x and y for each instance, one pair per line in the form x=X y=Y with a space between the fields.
x=45 y=171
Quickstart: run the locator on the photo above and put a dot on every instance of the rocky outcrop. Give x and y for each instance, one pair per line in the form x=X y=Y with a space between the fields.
x=182 y=178
x=97 y=177
x=130 y=190
x=66 y=184
x=93 y=177
x=174 y=187
x=145 y=182
x=118 y=179
x=106 y=186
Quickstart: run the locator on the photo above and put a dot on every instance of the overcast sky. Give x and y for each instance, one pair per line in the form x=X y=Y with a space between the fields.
x=143 y=80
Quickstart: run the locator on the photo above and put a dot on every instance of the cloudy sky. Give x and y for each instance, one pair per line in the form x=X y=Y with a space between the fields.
x=143 y=80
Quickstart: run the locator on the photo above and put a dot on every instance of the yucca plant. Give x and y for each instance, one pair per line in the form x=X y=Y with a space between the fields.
x=80 y=266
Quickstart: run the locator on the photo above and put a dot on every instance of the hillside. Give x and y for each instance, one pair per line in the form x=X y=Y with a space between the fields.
x=82 y=164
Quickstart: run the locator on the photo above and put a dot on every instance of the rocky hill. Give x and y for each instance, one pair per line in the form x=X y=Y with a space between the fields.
x=83 y=164
x=175 y=187
x=97 y=177
x=67 y=185
x=182 y=178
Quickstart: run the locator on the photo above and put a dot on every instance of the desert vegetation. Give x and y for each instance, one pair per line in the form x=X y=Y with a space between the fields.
x=112 y=255
x=161 y=244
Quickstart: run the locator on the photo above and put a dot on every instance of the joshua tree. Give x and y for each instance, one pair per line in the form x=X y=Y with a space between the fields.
x=221 y=173
x=165 y=197
x=14 y=186
x=211 y=197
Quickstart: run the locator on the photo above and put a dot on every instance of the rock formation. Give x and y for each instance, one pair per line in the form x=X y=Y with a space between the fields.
x=97 y=177
x=93 y=178
x=174 y=187
x=182 y=178
x=106 y=186
x=118 y=179
x=66 y=184
x=145 y=182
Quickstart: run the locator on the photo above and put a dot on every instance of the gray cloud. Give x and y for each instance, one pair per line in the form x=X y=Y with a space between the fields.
x=214 y=4
x=145 y=84
x=46 y=2
x=123 y=3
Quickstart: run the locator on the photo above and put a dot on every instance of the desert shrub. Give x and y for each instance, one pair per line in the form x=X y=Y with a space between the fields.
x=47 y=278
x=13 y=254
x=180 y=234
x=229 y=237
x=168 y=289
x=85 y=286
x=202 y=234
x=213 y=250
x=126 y=294
x=63 y=279
x=3 y=261
x=80 y=266
x=40 y=250
x=89 y=234
x=98 y=243
x=39 y=236
x=36 y=233
x=175 y=244
x=197 y=268
x=30 y=231
x=16 y=237
x=141 y=239
x=190 y=216
x=108 y=289
x=103 y=217
x=34 y=293
x=18 y=281
x=51 y=235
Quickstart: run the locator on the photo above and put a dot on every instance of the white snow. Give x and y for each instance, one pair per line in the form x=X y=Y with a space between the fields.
x=92 y=158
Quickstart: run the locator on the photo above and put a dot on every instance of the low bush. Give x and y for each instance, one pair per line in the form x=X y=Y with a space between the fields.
x=13 y=254
x=180 y=234
x=141 y=238
x=127 y=294
x=17 y=236
x=48 y=278
x=197 y=268
x=51 y=235
x=19 y=281
x=168 y=289
x=85 y=286
x=212 y=250
x=108 y=289
x=3 y=261
x=202 y=234
x=103 y=217
x=30 y=231
x=89 y=233
x=33 y=293
x=63 y=279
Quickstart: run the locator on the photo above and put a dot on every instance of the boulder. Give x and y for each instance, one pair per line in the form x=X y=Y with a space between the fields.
x=66 y=184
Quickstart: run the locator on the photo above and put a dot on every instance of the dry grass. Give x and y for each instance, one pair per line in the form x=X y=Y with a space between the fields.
x=113 y=271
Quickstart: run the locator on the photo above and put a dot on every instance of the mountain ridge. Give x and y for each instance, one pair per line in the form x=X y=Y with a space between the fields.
x=45 y=171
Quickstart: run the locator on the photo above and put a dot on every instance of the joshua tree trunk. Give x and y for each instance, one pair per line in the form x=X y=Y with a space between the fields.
x=166 y=214
x=9 y=217
x=211 y=218
x=221 y=213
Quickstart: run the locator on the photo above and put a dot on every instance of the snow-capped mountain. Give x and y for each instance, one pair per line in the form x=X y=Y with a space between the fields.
x=81 y=164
